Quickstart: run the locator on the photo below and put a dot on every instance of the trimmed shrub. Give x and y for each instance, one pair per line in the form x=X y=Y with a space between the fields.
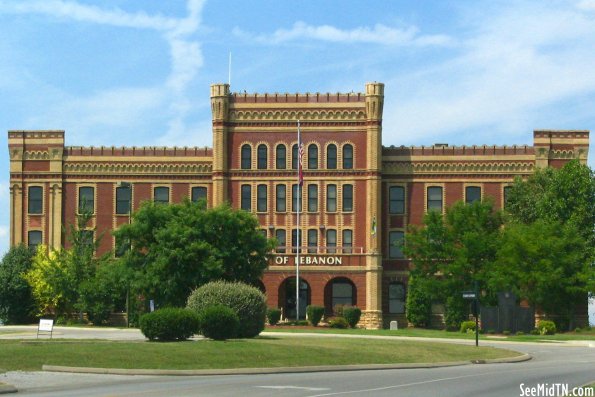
x=338 y=322
x=169 y=324
x=219 y=322
x=273 y=316
x=534 y=331
x=338 y=310
x=247 y=301
x=419 y=304
x=352 y=314
x=468 y=326
x=546 y=327
x=456 y=311
x=315 y=314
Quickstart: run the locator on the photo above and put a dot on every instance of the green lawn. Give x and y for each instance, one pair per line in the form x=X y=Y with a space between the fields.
x=247 y=353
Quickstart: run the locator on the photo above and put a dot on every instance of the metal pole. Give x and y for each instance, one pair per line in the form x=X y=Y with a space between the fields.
x=476 y=315
x=299 y=237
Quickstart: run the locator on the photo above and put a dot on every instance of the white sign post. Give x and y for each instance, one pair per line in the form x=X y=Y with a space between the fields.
x=45 y=325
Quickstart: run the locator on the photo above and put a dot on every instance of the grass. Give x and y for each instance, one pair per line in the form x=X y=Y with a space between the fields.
x=246 y=353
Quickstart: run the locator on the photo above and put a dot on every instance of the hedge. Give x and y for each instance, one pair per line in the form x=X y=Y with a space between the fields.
x=169 y=324
x=219 y=322
x=314 y=314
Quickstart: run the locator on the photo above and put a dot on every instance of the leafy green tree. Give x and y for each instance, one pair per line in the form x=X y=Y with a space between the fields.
x=16 y=302
x=419 y=303
x=179 y=247
x=451 y=252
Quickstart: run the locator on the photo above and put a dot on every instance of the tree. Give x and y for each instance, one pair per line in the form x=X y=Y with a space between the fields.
x=452 y=252
x=16 y=302
x=179 y=247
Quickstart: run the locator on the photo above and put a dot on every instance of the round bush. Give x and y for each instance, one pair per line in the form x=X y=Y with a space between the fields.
x=546 y=327
x=169 y=324
x=248 y=303
x=219 y=322
x=468 y=326
x=352 y=314
x=338 y=322
x=273 y=315
x=315 y=314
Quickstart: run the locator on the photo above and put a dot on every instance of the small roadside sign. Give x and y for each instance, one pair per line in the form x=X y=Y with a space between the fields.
x=45 y=325
x=469 y=295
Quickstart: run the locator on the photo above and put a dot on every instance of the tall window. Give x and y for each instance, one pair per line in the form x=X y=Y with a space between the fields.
x=246 y=157
x=331 y=241
x=294 y=156
x=435 y=198
x=296 y=200
x=347 y=241
x=472 y=193
x=506 y=192
x=280 y=236
x=33 y=238
x=87 y=237
x=396 y=198
x=294 y=240
x=312 y=241
x=35 y=200
x=86 y=199
x=331 y=157
x=198 y=193
x=347 y=198
x=396 y=298
x=281 y=157
x=395 y=241
x=342 y=293
x=281 y=194
x=161 y=194
x=312 y=157
x=312 y=198
x=261 y=198
x=123 y=198
x=261 y=157
x=246 y=199
x=347 y=157
x=331 y=198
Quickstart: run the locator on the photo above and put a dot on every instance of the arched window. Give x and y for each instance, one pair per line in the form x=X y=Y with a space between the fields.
x=396 y=298
x=347 y=157
x=261 y=156
x=246 y=157
x=294 y=157
x=281 y=157
x=331 y=157
x=312 y=157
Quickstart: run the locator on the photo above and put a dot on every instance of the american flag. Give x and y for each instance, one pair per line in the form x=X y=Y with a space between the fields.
x=300 y=157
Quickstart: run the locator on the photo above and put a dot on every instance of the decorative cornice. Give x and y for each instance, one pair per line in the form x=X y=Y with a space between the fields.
x=457 y=168
x=282 y=115
x=132 y=168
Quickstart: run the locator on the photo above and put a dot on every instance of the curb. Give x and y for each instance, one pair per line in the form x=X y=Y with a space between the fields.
x=5 y=388
x=278 y=370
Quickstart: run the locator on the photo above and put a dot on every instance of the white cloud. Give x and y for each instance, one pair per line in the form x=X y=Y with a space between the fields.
x=586 y=5
x=3 y=231
x=379 y=34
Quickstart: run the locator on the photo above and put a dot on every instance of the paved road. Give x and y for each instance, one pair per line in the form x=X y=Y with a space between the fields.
x=552 y=363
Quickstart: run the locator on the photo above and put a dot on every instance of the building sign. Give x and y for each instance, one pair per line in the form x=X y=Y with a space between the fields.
x=308 y=260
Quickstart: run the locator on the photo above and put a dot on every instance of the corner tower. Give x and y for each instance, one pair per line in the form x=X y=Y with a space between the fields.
x=220 y=111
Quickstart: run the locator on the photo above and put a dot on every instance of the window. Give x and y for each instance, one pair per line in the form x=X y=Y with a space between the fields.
x=281 y=193
x=435 y=198
x=294 y=157
x=281 y=157
x=294 y=240
x=395 y=240
x=296 y=200
x=86 y=199
x=312 y=198
x=261 y=157
x=122 y=246
x=280 y=236
x=347 y=241
x=506 y=192
x=472 y=193
x=396 y=199
x=331 y=241
x=161 y=195
x=312 y=241
x=312 y=157
x=123 y=195
x=347 y=198
x=342 y=293
x=263 y=232
x=35 y=200
x=246 y=199
x=331 y=157
x=246 y=157
x=87 y=237
x=347 y=157
x=396 y=298
x=198 y=193
x=331 y=198
x=261 y=198
x=34 y=239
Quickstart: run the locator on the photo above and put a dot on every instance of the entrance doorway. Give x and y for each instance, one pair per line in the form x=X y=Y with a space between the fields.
x=287 y=293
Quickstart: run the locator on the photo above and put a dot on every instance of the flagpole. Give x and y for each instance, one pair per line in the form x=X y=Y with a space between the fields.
x=299 y=237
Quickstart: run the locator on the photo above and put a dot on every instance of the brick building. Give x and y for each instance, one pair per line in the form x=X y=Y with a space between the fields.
x=357 y=199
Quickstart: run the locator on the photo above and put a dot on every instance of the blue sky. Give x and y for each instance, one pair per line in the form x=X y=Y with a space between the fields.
x=119 y=72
